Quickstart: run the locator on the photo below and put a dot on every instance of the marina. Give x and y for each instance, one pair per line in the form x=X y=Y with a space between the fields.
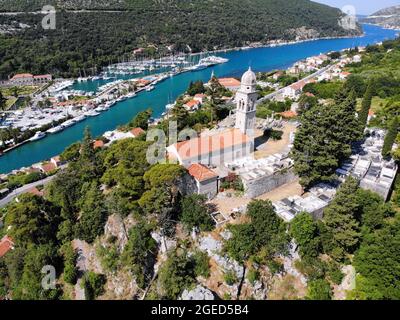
x=169 y=85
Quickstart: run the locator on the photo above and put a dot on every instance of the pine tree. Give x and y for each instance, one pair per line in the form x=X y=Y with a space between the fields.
x=340 y=224
x=390 y=137
x=180 y=115
x=342 y=94
x=141 y=120
x=366 y=105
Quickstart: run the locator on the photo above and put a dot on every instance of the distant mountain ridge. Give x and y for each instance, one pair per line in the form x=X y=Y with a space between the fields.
x=91 y=34
x=388 y=17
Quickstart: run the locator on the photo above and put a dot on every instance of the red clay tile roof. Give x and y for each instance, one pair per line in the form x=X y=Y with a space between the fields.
x=6 y=244
x=201 y=173
x=298 y=85
x=192 y=103
x=229 y=82
x=211 y=144
x=143 y=81
x=22 y=75
x=288 y=114
x=137 y=132
x=48 y=167
x=42 y=76
x=98 y=144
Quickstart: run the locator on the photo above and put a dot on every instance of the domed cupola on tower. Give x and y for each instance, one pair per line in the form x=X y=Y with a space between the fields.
x=249 y=81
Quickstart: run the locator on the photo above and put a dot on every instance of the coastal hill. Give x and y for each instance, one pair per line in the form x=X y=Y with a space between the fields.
x=389 y=18
x=91 y=34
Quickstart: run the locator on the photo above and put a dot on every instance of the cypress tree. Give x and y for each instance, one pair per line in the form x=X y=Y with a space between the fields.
x=366 y=105
x=87 y=151
x=2 y=102
x=390 y=137
x=349 y=127
x=93 y=215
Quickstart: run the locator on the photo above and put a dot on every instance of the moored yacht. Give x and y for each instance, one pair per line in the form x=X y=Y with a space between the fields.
x=38 y=135
x=56 y=129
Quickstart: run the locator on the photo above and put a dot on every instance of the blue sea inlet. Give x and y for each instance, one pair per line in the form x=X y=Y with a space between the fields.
x=260 y=59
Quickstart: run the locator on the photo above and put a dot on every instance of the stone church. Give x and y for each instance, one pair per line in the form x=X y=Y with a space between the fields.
x=227 y=145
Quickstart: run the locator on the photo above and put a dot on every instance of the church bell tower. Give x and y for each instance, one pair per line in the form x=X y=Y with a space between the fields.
x=246 y=98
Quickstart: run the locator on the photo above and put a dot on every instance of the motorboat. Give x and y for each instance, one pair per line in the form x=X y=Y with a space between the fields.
x=38 y=135
x=55 y=129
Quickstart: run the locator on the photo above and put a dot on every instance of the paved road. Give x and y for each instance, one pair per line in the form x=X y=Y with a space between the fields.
x=311 y=76
x=24 y=189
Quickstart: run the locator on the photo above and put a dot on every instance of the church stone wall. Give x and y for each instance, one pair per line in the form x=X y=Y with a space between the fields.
x=257 y=187
x=208 y=188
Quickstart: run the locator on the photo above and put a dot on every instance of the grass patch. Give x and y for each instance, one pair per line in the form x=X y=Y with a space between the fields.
x=376 y=104
x=18 y=90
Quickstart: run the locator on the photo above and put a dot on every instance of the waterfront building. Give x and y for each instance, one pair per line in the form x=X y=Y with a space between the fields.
x=230 y=83
x=29 y=79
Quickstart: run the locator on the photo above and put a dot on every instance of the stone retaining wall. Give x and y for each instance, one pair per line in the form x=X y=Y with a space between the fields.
x=257 y=187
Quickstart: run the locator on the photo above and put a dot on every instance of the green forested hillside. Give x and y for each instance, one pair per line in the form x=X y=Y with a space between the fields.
x=99 y=36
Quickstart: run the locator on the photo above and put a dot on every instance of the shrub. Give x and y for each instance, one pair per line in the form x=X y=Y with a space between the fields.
x=319 y=290
x=230 y=278
x=202 y=266
x=253 y=275
x=275 y=266
x=93 y=284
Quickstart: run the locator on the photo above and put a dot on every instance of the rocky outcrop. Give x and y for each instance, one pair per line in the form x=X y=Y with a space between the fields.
x=115 y=227
x=198 y=293
x=303 y=33
x=120 y=286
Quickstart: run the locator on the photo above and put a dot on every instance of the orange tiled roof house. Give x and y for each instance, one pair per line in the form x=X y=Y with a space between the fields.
x=206 y=180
